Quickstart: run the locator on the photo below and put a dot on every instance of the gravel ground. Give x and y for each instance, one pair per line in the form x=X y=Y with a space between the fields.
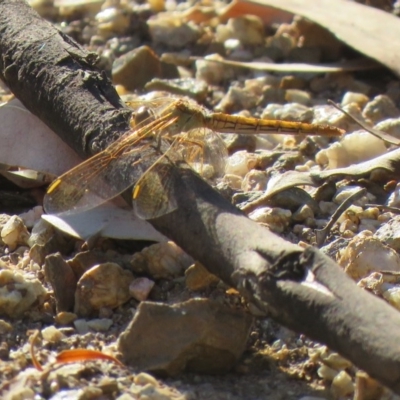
x=276 y=363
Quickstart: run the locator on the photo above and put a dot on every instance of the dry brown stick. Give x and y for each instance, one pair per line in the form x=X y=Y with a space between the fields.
x=386 y=137
x=321 y=234
x=304 y=290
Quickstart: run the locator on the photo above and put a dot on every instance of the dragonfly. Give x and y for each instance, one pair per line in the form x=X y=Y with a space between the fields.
x=165 y=132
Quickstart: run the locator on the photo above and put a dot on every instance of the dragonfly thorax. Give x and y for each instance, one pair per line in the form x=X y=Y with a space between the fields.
x=189 y=115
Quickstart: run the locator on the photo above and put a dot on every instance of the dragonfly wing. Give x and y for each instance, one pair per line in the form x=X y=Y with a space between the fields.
x=155 y=194
x=93 y=182
x=202 y=149
x=106 y=174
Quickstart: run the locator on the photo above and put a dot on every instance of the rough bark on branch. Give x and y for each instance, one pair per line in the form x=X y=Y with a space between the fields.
x=304 y=290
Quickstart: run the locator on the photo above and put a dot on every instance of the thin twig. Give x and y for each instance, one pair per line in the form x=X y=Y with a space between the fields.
x=395 y=210
x=386 y=137
x=321 y=234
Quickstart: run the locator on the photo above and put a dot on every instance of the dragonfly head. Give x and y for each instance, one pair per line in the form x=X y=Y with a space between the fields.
x=142 y=114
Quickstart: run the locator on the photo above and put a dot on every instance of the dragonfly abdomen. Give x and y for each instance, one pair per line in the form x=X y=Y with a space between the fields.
x=237 y=124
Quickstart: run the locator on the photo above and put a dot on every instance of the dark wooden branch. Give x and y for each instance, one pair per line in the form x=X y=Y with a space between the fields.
x=304 y=290
x=66 y=91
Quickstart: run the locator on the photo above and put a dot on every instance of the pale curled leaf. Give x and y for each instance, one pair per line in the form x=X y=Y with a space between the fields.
x=341 y=66
x=26 y=178
x=106 y=220
x=389 y=162
x=27 y=142
x=371 y=31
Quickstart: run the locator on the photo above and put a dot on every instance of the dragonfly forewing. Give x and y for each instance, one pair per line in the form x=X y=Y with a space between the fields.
x=79 y=190
x=107 y=174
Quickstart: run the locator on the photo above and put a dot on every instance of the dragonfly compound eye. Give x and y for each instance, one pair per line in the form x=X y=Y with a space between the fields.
x=142 y=114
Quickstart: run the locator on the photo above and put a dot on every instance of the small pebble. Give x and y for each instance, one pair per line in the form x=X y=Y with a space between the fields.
x=241 y=163
x=365 y=254
x=5 y=327
x=81 y=326
x=104 y=285
x=197 y=277
x=212 y=72
x=143 y=379
x=64 y=318
x=277 y=219
x=298 y=96
x=52 y=334
x=248 y=29
x=342 y=385
x=327 y=373
x=100 y=324
x=303 y=213
x=350 y=97
x=112 y=21
x=172 y=31
x=236 y=99
x=14 y=232
x=380 y=108
x=336 y=361
x=161 y=260
x=255 y=181
x=140 y=288
x=233 y=181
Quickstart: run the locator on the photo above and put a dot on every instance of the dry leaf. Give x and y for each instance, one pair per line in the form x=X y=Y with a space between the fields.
x=389 y=162
x=107 y=220
x=238 y=8
x=371 y=31
x=79 y=355
x=359 y=64
x=27 y=142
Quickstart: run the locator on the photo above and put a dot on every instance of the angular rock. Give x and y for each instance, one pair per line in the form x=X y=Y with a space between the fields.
x=85 y=260
x=100 y=324
x=104 y=285
x=129 y=70
x=380 y=108
x=198 y=335
x=389 y=233
x=140 y=288
x=14 y=233
x=161 y=260
x=197 y=277
x=139 y=66
x=172 y=31
x=65 y=318
x=190 y=87
x=365 y=254
x=18 y=292
x=63 y=281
